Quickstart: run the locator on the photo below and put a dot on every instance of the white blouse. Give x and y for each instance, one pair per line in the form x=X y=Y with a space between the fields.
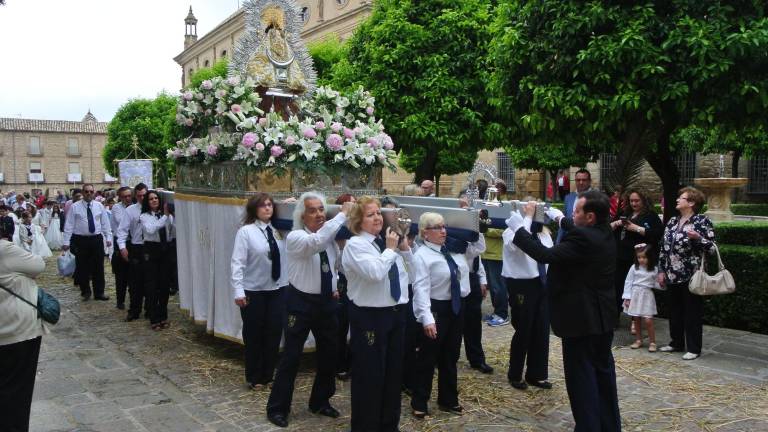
x=151 y=225
x=251 y=265
x=367 y=272
x=515 y=263
x=303 y=250
x=433 y=280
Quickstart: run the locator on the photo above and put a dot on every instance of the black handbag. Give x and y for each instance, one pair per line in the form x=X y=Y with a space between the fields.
x=48 y=307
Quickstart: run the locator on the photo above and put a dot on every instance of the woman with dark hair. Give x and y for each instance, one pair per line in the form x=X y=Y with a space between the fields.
x=156 y=221
x=636 y=223
x=258 y=280
x=686 y=238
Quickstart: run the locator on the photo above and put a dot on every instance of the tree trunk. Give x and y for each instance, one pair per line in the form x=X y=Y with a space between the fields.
x=663 y=163
x=426 y=170
x=735 y=163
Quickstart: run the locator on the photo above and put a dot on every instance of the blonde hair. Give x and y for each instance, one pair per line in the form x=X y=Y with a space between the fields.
x=427 y=220
x=356 y=215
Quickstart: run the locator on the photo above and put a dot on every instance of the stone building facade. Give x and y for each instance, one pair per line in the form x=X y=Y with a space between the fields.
x=52 y=154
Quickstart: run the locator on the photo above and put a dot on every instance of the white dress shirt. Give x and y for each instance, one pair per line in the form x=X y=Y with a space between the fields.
x=77 y=221
x=475 y=249
x=367 y=272
x=130 y=224
x=118 y=210
x=515 y=263
x=303 y=250
x=151 y=226
x=251 y=266
x=433 y=280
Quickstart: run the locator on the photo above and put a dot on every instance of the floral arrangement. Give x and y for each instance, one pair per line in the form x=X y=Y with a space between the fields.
x=333 y=132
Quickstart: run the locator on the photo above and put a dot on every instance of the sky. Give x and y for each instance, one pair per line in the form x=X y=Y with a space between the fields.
x=59 y=58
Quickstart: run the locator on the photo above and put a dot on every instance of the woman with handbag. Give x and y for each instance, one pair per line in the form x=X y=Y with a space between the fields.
x=21 y=330
x=685 y=239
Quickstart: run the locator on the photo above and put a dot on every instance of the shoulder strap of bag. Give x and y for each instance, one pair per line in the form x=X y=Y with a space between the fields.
x=20 y=297
x=720 y=265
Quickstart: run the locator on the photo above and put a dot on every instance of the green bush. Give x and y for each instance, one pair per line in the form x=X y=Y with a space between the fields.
x=742 y=233
x=750 y=209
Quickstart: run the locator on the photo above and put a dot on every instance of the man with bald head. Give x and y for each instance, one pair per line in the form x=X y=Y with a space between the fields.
x=428 y=188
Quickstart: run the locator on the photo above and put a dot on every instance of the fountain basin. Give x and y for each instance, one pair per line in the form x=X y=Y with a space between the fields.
x=718 y=191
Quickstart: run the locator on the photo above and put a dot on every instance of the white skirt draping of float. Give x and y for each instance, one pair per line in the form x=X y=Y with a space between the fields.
x=205 y=237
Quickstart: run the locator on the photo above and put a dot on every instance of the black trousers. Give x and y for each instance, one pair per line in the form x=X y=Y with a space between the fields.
x=136 y=278
x=262 y=329
x=442 y=353
x=121 y=270
x=343 y=355
x=413 y=334
x=173 y=267
x=18 y=368
x=530 y=318
x=157 y=286
x=473 y=323
x=590 y=378
x=377 y=366
x=89 y=262
x=305 y=312
x=686 y=318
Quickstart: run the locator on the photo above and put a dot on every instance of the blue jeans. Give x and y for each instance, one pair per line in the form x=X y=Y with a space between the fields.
x=498 y=288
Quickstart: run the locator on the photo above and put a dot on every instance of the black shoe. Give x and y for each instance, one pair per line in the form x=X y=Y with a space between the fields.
x=520 y=385
x=278 y=420
x=546 y=385
x=483 y=367
x=101 y=298
x=86 y=296
x=121 y=306
x=327 y=411
x=131 y=317
x=458 y=409
x=419 y=414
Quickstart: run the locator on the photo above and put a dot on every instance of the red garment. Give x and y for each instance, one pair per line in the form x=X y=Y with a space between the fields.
x=40 y=201
x=614 y=202
x=550 y=194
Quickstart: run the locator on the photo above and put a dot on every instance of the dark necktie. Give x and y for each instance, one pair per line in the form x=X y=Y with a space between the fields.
x=394 y=273
x=455 y=286
x=326 y=277
x=274 y=254
x=162 y=232
x=476 y=264
x=542 y=266
x=91 y=223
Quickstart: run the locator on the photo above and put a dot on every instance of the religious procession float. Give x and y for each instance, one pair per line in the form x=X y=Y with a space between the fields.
x=267 y=127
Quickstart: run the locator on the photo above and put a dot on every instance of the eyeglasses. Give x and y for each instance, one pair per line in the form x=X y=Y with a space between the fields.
x=686 y=198
x=87 y=191
x=436 y=228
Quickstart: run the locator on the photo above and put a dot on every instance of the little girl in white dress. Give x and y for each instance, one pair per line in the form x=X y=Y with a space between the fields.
x=639 y=301
x=53 y=233
x=32 y=237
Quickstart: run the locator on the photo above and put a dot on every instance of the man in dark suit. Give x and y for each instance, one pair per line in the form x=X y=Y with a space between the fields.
x=583 y=306
x=583 y=180
x=6 y=223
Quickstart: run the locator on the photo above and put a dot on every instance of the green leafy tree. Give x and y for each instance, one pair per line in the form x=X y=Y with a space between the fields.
x=425 y=62
x=605 y=76
x=744 y=143
x=153 y=123
x=218 y=69
x=326 y=53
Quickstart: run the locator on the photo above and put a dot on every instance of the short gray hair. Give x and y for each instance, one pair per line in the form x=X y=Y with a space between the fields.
x=298 y=211
x=428 y=220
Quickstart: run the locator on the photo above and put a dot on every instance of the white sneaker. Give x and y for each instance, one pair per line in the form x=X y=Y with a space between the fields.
x=690 y=356
x=668 y=348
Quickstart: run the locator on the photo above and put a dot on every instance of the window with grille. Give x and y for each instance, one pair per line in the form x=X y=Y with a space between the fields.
x=73 y=147
x=506 y=170
x=34 y=146
x=758 y=175
x=607 y=168
x=686 y=166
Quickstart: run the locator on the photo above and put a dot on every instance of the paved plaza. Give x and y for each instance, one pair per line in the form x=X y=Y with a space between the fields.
x=98 y=373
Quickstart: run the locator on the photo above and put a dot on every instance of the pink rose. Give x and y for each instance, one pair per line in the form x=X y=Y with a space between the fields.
x=334 y=142
x=259 y=146
x=310 y=133
x=320 y=125
x=235 y=108
x=250 y=139
x=372 y=143
x=188 y=96
x=207 y=85
x=349 y=133
x=276 y=150
x=177 y=153
x=233 y=81
x=335 y=126
x=212 y=150
x=369 y=110
x=193 y=151
x=290 y=140
x=262 y=122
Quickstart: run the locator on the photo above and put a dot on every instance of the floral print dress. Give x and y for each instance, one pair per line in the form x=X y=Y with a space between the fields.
x=681 y=256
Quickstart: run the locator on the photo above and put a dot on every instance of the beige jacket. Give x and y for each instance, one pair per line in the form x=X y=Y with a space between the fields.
x=18 y=320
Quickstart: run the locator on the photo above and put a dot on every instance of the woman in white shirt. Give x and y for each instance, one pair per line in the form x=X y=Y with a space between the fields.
x=441 y=282
x=377 y=286
x=526 y=283
x=259 y=278
x=156 y=221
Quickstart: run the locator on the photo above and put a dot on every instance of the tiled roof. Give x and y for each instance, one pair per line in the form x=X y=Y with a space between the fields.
x=66 y=126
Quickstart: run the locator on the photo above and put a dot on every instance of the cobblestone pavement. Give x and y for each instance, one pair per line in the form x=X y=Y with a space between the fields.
x=98 y=373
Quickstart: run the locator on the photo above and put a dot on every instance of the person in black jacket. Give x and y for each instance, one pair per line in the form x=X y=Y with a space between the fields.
x=6 y=223
x=583 y=306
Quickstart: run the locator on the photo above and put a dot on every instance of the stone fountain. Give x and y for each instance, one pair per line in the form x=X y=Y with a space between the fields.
x=719 y=191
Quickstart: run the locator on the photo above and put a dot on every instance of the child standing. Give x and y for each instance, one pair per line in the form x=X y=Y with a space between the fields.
x=639 y=302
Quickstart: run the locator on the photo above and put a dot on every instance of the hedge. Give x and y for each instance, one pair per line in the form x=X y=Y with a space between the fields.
x=742 y=233
x=750 y=209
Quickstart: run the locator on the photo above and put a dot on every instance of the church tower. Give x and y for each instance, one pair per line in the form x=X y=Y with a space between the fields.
x=190 y=33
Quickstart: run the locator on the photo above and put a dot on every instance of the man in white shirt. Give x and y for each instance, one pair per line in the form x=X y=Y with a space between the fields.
x=130 y=241
x=311 y=302
x=86 y=228
x=120 y=266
